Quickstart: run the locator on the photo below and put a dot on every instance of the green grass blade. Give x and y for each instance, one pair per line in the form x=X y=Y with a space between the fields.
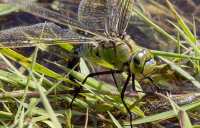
x=174 y=55
x=155 y=26
x=5 y=115
x=184 y=120
x=115 y=121
x=182 y=72
x=26 y=62
x=48 y=108
x=7 y=9
x=187 y=38
x=164 y=115
x=182 y=23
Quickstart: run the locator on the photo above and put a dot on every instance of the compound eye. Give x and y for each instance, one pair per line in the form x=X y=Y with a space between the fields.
x=150 y=62
x=136 y=60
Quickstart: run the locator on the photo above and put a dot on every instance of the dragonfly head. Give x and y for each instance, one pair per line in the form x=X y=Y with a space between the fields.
x=142 y=62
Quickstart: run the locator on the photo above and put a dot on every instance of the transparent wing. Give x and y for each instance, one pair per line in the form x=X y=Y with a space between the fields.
x=48 y=33
x=119 y=15
x=113 y=19
x=105 y=15
x=93 y=14
x=36 y=9
x=67 y=7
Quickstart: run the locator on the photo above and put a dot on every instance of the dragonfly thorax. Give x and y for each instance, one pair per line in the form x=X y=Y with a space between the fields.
x=114 y=51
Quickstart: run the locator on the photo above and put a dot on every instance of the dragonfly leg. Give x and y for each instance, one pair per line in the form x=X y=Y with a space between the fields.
x=115 y=81
x=155 y=87
x=78 y=89
x=76 y=93
x=100 y=73
x=133 y=82
x=122 y=97
x=123 y=89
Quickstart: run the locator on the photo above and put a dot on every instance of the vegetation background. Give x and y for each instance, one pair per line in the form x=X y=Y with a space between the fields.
x=35 y=92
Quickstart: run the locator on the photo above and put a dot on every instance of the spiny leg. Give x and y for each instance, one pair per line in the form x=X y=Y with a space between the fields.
x=157 y=88
x=76 y=93
x=73 y=64
x=115 y=81
x=100 y=73
x=147 y=76
x=122 y=92
x=134 y=86
x=147 y=93
x=152 y=88
x=78 y=89
x=133 y=82
x=123 y=89
x=134 y=89
x=122 y=97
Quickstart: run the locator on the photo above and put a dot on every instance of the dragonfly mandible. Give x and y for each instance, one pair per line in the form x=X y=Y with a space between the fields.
x=105 y=21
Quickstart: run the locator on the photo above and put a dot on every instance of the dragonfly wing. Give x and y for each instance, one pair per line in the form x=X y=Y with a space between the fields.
x=37 y=10
x=93 y=14
x=67 y=7
x=119 y=15
x=49 y=33
x=105 y=15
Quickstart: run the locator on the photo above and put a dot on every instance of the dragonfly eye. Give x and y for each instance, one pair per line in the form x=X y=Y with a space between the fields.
x=142 y=62
x=149 y=66
x=150 y=62
x=136 y=60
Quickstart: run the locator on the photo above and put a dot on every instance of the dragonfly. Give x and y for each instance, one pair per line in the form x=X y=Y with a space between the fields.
x=104 y=23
